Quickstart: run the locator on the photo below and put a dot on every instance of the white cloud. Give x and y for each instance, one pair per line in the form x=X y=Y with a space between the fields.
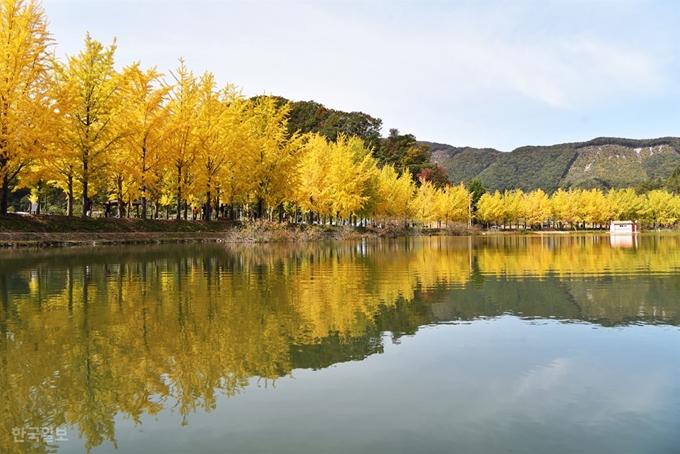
x=449 y=70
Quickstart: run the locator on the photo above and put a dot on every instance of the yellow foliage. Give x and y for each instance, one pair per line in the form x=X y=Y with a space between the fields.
x=26 y=111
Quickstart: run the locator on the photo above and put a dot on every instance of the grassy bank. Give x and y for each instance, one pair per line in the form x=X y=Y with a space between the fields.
x=58 y=224
x=45 y=231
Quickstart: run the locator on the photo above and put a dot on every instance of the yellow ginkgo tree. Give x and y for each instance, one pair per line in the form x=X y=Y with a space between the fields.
x=93 y=126
x=353 y=177
x=536 y=207
x=146 y=113
x=490 y=208
x=275 y=154
x=220 y=140
x=454 y=204
x=25 y=103
x=313 y=191
x=181 y=140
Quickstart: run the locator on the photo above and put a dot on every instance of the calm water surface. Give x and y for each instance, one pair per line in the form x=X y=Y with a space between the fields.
x=553 y=344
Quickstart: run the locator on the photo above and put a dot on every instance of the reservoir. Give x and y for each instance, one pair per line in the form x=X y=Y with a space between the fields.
x=495 y=344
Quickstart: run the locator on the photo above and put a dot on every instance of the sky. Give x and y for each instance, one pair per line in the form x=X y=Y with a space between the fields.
x=497 y=74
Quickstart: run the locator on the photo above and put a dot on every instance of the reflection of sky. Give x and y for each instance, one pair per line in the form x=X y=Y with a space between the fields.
x=495 y=385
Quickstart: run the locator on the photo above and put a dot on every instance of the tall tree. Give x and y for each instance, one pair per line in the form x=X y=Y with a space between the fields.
x=312 y=117
x=182 y=131
x=313 y=191
x=536 y=208
x=625 y=204
x=673 y=182
x=660 y=208
x=276 y=155
x=435 y=174
x=403 y=153
x=455 y=203
x=24 y=95
x=388 y=201
x=220 y=136
x=490 y=208
x=353 y=176
x=426 y=201
x=477 y=190
x=513 y=206
x=93 y=127
x=147 y=116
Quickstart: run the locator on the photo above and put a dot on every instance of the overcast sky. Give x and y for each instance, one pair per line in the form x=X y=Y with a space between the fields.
x=498 y=74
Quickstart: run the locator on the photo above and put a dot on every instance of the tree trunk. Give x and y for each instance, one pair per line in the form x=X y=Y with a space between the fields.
x=121 y=204
x=143 y=185
x=4 y=195
x=206 y=212
x=69 y=202
x=85 y=185
x=217 y=205
x=260 y=207
x=179 y=193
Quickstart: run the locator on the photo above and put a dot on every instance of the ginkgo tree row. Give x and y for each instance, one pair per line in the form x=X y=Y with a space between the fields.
x=181 y=141
x=342 y=179
x=578 y=207
x=89 y=130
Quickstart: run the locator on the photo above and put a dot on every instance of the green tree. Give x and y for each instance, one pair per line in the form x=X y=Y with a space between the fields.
x=477 y=190
x=673 y=182
x=651 y=184
x=403 y=153
x=312 y=117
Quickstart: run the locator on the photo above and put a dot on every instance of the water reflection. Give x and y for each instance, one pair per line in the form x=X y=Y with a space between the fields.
x=88 y=335
x=624 y=241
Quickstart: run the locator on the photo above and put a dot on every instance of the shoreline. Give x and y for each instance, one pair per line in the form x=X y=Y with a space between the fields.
x=21 y=231
x=42 y=240
x=68 y=239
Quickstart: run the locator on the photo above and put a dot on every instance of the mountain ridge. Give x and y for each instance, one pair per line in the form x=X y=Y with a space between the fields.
x=603 y=162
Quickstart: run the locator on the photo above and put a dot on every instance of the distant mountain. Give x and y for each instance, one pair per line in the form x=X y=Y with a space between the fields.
x=605 y=162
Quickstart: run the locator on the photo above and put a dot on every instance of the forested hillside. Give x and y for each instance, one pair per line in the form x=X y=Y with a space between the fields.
x=600 y=163
x=464 y=163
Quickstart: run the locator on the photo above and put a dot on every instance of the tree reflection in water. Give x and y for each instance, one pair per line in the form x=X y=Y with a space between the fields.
x=88 y=334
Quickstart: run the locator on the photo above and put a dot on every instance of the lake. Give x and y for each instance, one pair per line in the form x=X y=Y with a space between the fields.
x=494 y=344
